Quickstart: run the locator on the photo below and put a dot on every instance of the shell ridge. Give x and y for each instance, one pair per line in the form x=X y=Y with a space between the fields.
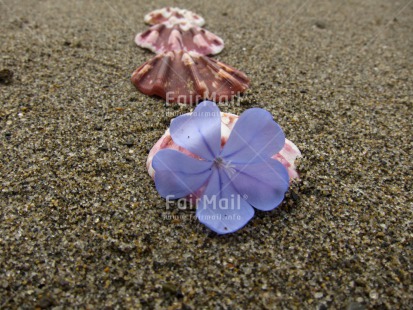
x=175 y=41
x=161 y=74
x=200 y=86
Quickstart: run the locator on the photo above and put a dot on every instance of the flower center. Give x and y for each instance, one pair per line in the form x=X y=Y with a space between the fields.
x=221 y=164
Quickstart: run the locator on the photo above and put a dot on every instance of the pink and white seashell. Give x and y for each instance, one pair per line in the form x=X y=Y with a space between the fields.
x=286 y=156
x=173 y=15
x=184 y=36
x=188 y=77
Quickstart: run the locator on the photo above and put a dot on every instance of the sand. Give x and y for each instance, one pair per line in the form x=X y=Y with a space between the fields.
x=81 y=223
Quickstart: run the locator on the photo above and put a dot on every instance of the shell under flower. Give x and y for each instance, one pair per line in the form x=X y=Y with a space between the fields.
x=188 y=77
x=173 y=15
x=183 y=36
x=286 y=156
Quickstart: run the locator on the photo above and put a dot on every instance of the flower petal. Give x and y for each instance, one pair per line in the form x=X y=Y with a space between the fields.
x=221 y=208
x=255 y=137
x=200 y=132
x=263 y=184
x=178 y=175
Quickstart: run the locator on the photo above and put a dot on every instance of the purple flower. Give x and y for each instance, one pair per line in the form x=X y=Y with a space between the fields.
x=235 y=179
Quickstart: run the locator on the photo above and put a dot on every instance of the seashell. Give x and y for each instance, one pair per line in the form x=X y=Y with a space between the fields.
x=183 y=36
x=173 y=15
x=286 y=156
x=188 y=77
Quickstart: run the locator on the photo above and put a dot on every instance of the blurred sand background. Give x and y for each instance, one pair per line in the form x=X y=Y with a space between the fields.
x=81 y=223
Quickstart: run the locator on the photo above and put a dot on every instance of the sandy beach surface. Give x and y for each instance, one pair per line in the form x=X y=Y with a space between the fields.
x=81 y=223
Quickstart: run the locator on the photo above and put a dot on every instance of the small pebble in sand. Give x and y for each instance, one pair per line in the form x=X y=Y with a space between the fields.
x=6 y=76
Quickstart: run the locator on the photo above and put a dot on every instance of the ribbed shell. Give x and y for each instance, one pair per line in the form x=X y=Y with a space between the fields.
x=188 y=77
x=167 y=37
x=173 y=15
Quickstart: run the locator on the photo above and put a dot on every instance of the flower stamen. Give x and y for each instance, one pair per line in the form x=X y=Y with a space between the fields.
x=221 y=164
